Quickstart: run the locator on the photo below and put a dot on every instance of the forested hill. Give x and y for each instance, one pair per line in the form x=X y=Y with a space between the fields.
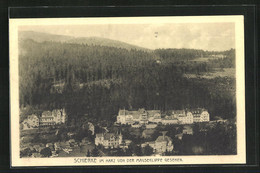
x=41 y=37
x=47 y=64
x=97 y=80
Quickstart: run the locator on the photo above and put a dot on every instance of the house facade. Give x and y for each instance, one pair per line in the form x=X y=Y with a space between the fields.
x=49 y=118
x=187 y=116
x=31 y=122
x=161 y=145
x=177 y=116
x=167 y=121
x=154 y=116
x=140 y=116
x=200 y=115
x=91 y=127
x=109 y=140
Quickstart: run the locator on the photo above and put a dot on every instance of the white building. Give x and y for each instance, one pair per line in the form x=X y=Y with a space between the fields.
x=109 y=140
x=191 y=116
x=154 y=116
x=167 y=121
x=57 y=116
x=91 y=127
x=130 y=117
x=31 y=122
x=200 y=115
x=177 y=117
x=140 y=116
x=127 y=117
x=161 y=145
x=183 y=116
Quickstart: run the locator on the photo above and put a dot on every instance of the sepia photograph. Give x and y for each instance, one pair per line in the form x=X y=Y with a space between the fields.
x=127 y=91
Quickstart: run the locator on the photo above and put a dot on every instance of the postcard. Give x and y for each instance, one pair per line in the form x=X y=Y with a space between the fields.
x=127 y=91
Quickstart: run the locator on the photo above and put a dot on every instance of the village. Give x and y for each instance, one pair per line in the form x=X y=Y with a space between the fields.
x=134 y=132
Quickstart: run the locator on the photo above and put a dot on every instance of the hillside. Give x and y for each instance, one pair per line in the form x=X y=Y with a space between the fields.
x=97 y=80
x=41 y=37
x=98 y=41
x=105 y=42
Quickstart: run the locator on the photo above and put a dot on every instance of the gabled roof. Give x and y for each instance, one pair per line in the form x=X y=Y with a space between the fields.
x=197 y=111
x=161 y=139
x=108 y=136
x=55 y=112
x=46 y=114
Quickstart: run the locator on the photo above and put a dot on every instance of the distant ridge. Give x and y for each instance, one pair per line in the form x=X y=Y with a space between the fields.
x=41 y=37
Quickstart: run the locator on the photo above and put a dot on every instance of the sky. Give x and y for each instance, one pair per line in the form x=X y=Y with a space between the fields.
x=206 y=36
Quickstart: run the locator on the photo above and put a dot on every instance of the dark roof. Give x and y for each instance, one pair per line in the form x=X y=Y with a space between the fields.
x=197 y=111
x=108 y=136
